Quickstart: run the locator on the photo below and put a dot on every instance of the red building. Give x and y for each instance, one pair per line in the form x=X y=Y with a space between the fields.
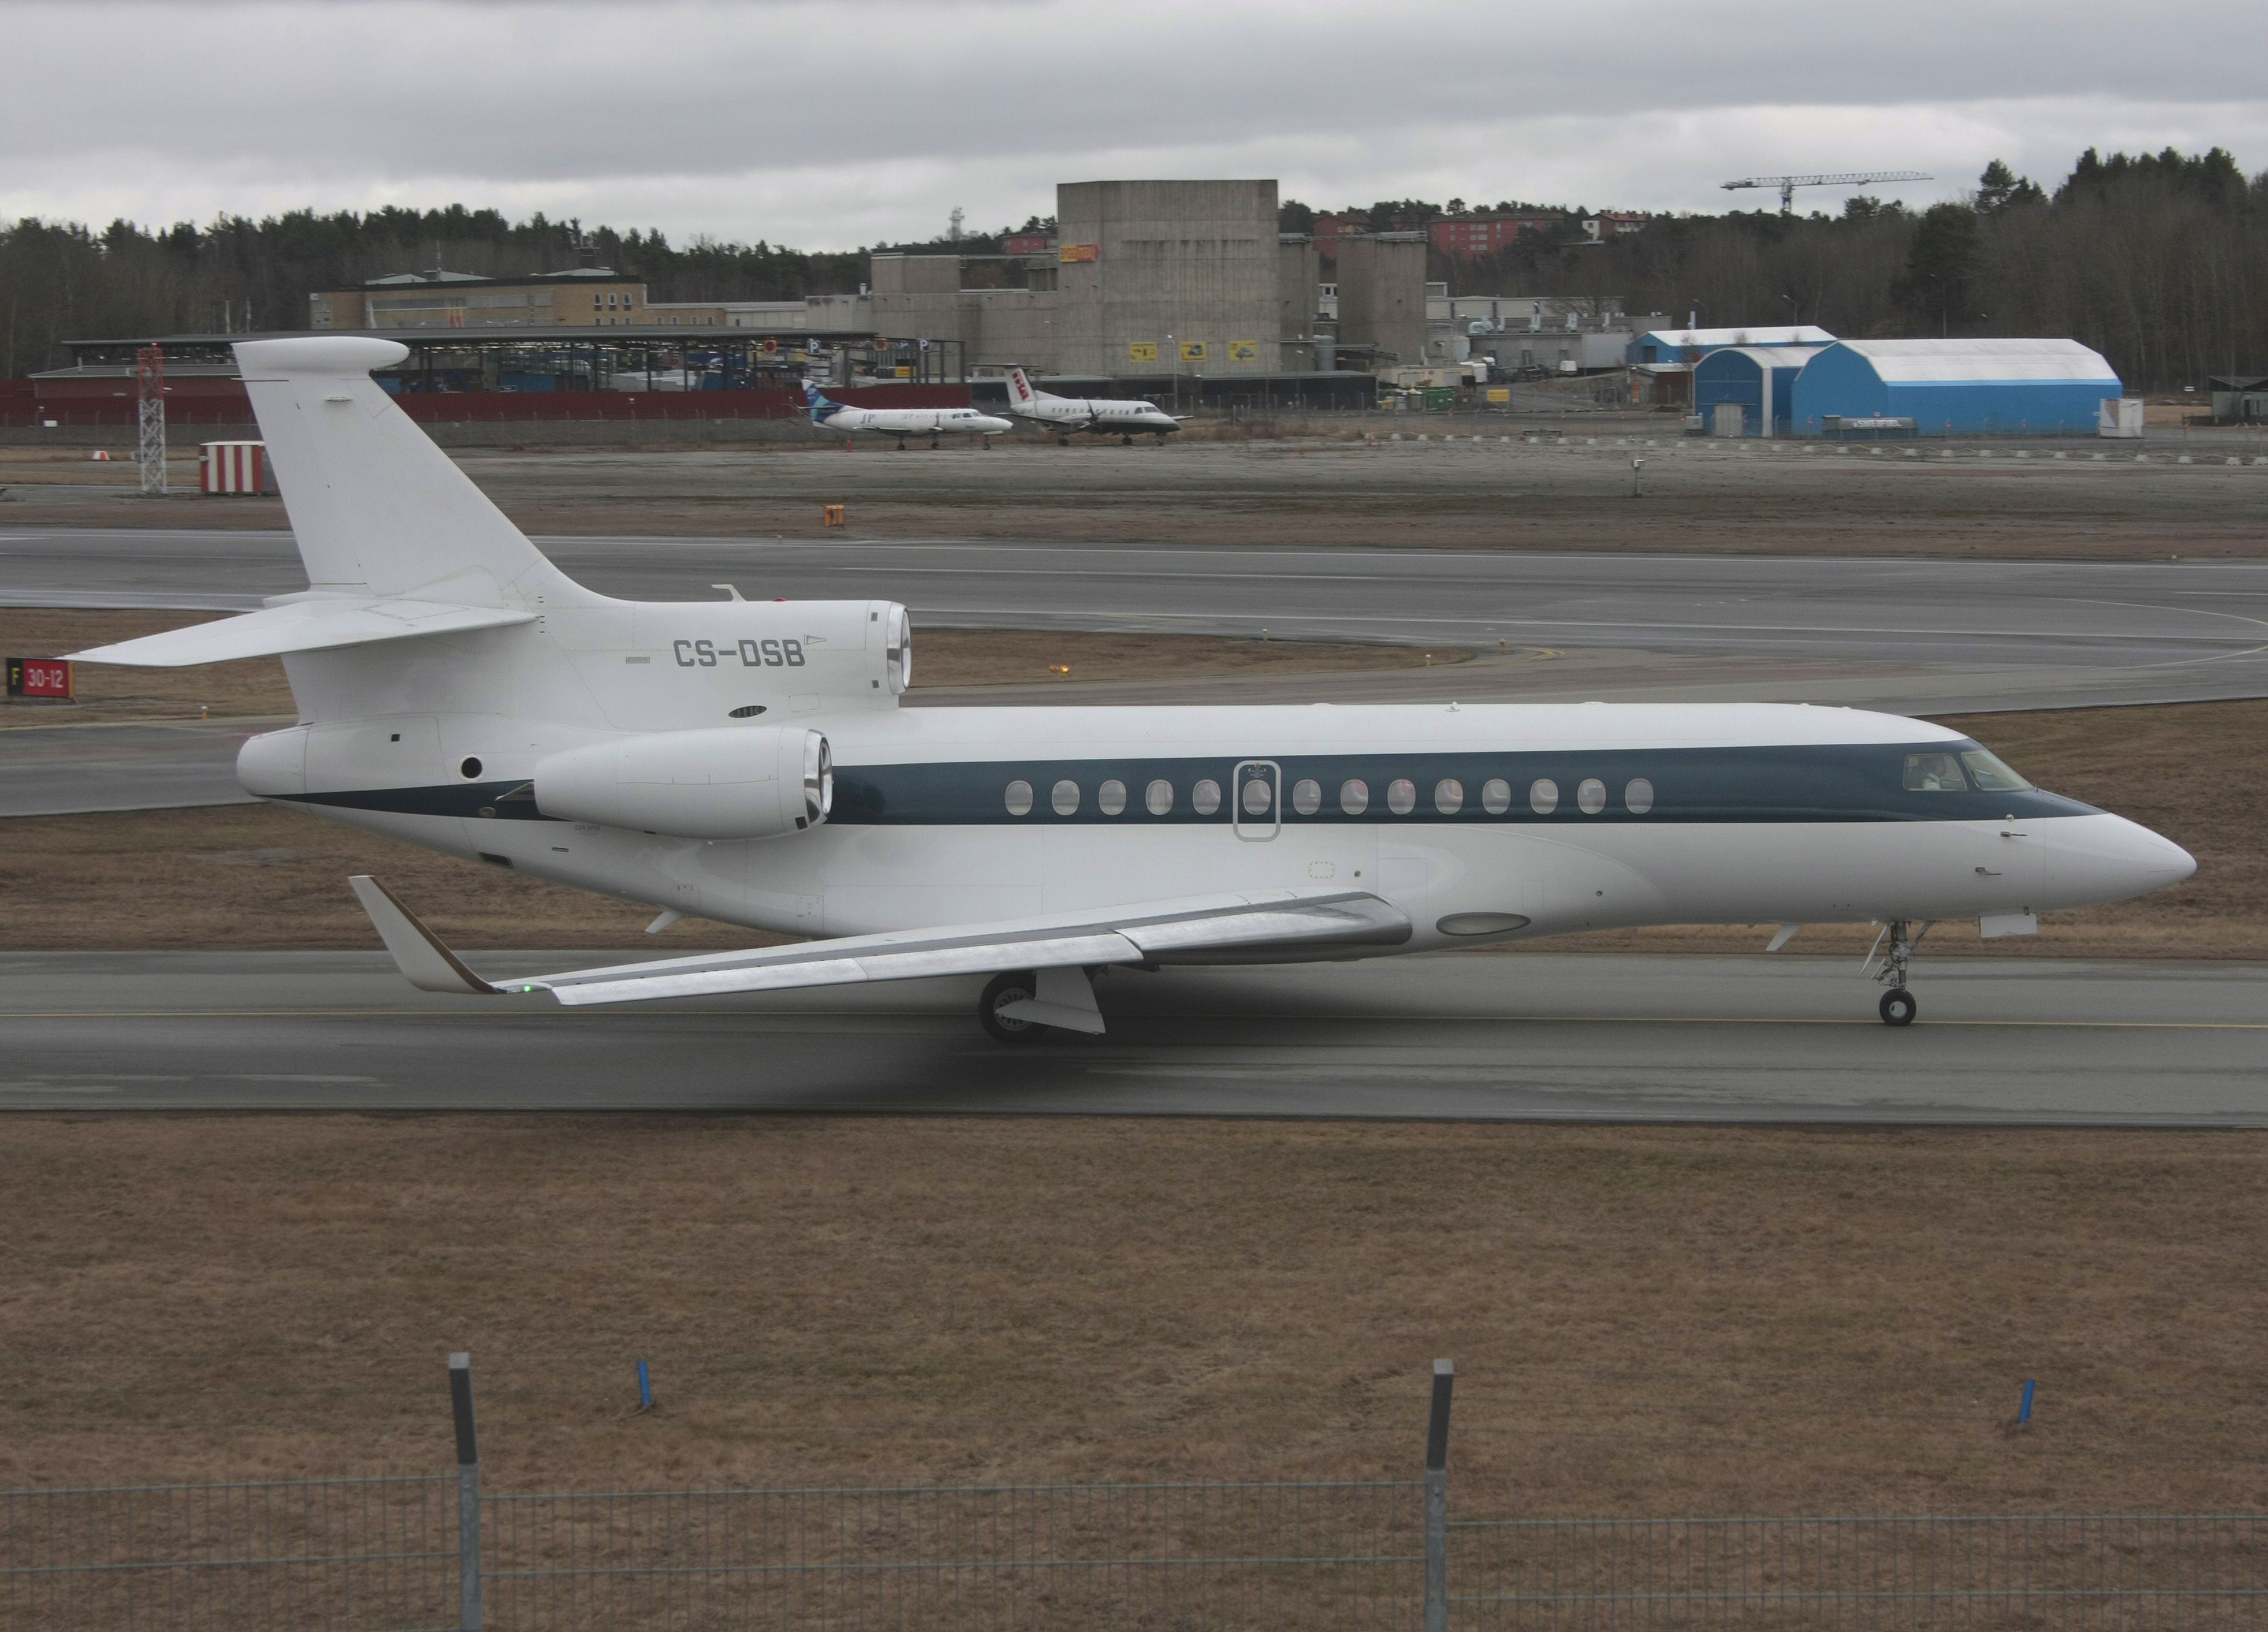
x=1027 y=243
x=1465 y=236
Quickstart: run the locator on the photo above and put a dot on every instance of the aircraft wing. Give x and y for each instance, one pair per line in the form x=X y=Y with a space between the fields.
x=1206 y=928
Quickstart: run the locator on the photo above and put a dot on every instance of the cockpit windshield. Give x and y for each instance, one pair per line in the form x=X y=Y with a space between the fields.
x=1991 y=774
x=1934 y=773
x=1939 y=771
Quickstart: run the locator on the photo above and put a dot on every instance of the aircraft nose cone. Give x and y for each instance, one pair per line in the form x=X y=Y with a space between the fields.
x=2107 y=858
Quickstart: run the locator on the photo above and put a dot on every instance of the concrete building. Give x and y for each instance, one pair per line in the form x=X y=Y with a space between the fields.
x=1185 y=272
x=1381 y=295
x=1957 y=387
x=1757 y=381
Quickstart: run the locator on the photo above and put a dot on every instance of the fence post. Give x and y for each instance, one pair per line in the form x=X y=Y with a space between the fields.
x=469 y=1494
x=1437 y=1500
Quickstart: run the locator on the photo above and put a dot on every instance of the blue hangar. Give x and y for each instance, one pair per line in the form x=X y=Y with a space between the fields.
x=1759 y=380
x=1956 y=387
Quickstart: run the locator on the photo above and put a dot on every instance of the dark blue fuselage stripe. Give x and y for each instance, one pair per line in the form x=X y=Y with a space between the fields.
x=1830 y=783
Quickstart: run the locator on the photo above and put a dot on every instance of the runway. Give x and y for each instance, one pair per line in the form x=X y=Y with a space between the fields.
x=1475 y=1037
x=1912 y=634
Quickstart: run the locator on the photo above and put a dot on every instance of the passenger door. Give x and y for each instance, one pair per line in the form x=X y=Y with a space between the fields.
x=1256 y=797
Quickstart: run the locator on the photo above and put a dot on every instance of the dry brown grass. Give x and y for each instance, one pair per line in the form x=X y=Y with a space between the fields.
x=1652 y=1320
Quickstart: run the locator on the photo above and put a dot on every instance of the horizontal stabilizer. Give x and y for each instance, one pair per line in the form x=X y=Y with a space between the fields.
x=300 y=626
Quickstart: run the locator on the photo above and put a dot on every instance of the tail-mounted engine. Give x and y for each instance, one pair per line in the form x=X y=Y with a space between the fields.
x=729 y=782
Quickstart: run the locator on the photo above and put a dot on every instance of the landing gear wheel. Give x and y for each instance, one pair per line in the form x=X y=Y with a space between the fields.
x=1125 y=442
x=1063 y=441
x=1899 y=1008
x=933 y=445
x=1000 y=990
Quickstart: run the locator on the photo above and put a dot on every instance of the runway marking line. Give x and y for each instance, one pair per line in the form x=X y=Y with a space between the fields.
x=809 y=1014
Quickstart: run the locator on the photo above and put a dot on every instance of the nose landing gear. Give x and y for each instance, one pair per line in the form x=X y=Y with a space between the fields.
x=1889 y=962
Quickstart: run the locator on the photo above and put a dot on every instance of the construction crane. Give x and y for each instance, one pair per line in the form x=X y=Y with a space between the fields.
x=1857 y=177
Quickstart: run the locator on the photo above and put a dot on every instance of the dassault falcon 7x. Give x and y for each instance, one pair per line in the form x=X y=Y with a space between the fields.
x=747 y=762
x=1102 y=416
x=829 y=415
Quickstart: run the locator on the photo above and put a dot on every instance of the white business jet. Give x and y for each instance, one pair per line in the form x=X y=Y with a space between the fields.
x=901 y=423
x=748 y=761
x=1102 y=416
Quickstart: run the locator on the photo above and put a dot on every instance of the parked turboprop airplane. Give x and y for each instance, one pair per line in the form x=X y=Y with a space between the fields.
x=1103 y=417
x=901 y=423
x=748 y=761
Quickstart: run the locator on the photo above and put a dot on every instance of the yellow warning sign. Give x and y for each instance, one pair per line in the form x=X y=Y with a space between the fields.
x=1193 y=351
x=1244 y=352
x=1070 y=253
x=1142 y=351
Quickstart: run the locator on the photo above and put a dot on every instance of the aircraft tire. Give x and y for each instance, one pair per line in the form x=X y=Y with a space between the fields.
x=1898 y=1007
x=1005 y=988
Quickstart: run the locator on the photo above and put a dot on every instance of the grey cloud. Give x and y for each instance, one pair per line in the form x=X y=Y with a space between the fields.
x=821 y=112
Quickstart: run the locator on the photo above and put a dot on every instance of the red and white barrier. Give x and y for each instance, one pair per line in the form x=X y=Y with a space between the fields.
x=233 y=467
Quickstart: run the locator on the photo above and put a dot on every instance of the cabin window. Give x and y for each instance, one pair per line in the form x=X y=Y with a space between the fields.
x=1306 y=797
x=1934 y=773
x=1354 y=797
x=1159 y=797
x=1638 y=796
x=1204 y=798
x=1543 y=796
x=1402 y=795
x=1255 y=797
x=1991 y=775
x=1064 y=796
x=1448 y=796
x=1495 y=796
x=1591 y=795
x=1019 y=798
x=1110 y=797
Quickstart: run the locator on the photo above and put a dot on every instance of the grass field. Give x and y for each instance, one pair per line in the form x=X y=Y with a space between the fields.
x=1645 y=1320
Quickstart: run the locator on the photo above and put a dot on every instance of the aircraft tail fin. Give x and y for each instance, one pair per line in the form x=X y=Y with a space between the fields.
x=377 y=507
x=823 y=406
x=1020 y=389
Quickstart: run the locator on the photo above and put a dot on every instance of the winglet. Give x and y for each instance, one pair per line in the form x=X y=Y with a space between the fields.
x=417 y=952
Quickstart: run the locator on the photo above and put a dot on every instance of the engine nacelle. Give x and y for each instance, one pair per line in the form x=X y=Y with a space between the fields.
x=745 y=781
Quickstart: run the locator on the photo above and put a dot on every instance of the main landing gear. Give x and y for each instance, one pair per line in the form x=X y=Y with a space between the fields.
x=1125 y=442
x=1000 y=992
x=1025 y=1006
x=1889 y=962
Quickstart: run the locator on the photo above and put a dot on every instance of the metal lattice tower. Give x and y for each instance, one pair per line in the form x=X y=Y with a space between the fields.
x=1855 y=178
x=150 y=393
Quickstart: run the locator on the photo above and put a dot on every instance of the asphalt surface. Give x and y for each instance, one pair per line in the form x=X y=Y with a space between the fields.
x=1908 y=636
x=1488 y=1037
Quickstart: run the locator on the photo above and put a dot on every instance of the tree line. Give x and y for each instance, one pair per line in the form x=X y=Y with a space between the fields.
x=2158 y=261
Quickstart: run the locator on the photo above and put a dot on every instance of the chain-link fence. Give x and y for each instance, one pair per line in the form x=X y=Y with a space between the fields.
x=375 y=1555
x=410 y=1554
x=2121 y=1573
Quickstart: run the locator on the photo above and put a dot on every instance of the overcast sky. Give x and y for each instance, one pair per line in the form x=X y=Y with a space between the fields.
x=831 y=125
